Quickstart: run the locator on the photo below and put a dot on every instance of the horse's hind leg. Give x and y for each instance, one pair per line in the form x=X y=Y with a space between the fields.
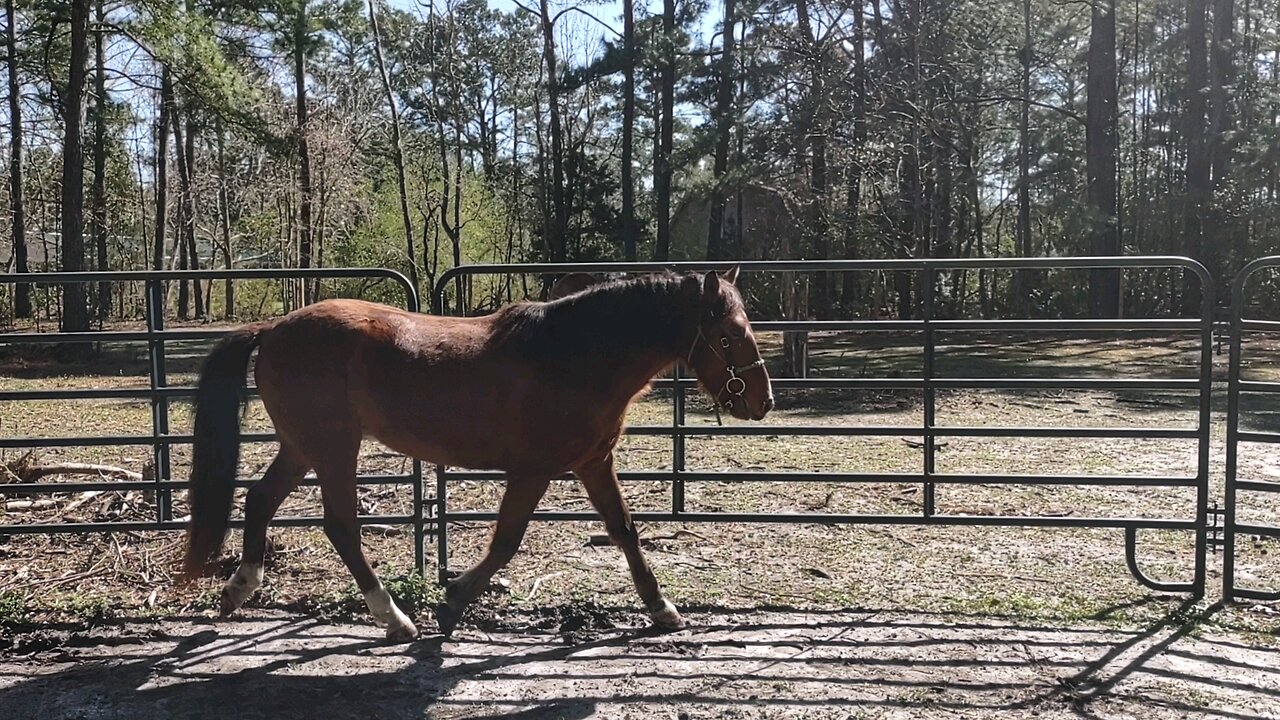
x=602 y=487
x=518 y=503
x=336 y=470
x=260 y=506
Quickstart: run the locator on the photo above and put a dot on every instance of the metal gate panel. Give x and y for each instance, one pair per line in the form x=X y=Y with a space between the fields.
x=928 y=430
x=1236 y=386
x=160 y=393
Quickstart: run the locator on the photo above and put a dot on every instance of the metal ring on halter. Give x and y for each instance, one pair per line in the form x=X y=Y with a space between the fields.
x=741 y=387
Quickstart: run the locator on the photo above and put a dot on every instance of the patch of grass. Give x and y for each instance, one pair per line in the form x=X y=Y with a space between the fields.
x=13 y=608
x=86 y=608
x=413 y=592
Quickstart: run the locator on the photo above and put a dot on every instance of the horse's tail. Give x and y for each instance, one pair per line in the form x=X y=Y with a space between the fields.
x=216 y=452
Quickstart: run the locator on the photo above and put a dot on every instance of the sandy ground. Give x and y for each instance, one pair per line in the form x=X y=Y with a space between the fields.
x=600 y=663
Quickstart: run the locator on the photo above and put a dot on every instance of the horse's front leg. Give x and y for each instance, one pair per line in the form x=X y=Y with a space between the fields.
x=602 y=487
x=518 y=503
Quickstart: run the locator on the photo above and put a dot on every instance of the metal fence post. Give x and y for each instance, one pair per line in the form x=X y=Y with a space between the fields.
x=930 y=396
x=1208 y=294
x=677 y=443
x=161 y=454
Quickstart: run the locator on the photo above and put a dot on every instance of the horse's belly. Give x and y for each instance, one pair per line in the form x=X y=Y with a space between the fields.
x=502 y=423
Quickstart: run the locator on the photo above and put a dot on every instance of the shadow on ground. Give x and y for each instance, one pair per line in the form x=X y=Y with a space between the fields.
x=740 y=664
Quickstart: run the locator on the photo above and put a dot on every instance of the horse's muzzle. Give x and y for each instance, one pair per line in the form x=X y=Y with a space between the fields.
x=765 y=407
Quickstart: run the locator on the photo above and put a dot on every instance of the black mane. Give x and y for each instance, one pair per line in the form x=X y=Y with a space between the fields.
x=609 y=321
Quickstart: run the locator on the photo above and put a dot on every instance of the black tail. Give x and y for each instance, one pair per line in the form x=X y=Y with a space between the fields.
x=217 y=446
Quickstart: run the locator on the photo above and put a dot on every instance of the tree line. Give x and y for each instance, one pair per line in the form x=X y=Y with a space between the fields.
x=420 y=136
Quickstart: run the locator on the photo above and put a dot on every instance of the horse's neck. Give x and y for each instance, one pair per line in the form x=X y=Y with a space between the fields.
x=633 y=341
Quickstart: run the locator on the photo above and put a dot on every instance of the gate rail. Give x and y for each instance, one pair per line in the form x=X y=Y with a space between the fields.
x=928 y=430
x=1236 y=385
x=160 y=393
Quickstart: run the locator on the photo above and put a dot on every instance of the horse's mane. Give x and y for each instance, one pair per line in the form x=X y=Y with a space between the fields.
x=610 y=318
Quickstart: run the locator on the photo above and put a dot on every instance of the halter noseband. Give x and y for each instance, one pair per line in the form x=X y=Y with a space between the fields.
x=735 y=385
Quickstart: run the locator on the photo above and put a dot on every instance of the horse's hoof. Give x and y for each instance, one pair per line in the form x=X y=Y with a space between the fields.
x=402 y=633
x=229 y=603
x=447 y=619
x=667 y=617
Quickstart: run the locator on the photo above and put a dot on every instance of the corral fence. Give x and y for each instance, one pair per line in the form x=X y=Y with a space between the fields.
x=431 y=516
x=1240 y=387
x=929 y=327
x=160 y=393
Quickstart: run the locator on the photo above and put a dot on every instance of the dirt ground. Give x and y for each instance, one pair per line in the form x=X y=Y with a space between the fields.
x=596 y=663
x=810 y=619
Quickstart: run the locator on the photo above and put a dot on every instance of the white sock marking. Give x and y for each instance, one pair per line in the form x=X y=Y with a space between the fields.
x=248 y=578
x=385 y=612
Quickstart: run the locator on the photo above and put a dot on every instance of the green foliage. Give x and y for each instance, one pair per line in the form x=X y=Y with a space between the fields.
x=13 y=608
x=929 y=124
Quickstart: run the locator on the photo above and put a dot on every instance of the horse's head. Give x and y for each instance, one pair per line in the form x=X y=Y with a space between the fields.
x=724 y=355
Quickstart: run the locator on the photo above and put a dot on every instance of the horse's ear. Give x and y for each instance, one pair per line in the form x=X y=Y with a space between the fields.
x=731 y=277
x=711 y=286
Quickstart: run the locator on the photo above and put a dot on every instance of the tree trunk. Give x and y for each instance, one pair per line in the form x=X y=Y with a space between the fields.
x=75 y=312
x=1199 y=188
x=162 y=169
x=1221 y=117
x=397 y=154
x=224 y=223
x=300 y=35
x=1022 y=278
x=191 y=200
x=853 y=176
x=559 y=203
x=187 y=260
x=630 y=231
x=17 y=202
x=1101 y=117
x=1222 y=67
x=817 y=131
x=662 y=183
x=724 y=119
x=99 y=210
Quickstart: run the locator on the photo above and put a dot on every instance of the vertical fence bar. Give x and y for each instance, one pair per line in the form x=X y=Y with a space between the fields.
x=442 y=526
x=419 y=525
x=1233 y=438
x=930 y=395
x=1208 y=302
x=159 y=403
x=677 y=444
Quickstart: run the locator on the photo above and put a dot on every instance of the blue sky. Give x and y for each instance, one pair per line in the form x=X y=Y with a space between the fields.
x=607 y=11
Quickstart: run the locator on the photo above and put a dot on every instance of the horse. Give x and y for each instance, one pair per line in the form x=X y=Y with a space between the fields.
x=535 y=390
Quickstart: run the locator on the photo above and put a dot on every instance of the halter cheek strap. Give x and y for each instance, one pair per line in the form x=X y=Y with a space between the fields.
x=735 y=385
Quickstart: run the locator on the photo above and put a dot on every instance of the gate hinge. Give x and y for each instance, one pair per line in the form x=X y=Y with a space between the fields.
x=1213 y=536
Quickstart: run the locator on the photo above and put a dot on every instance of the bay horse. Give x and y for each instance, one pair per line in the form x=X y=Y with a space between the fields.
x=534 y=390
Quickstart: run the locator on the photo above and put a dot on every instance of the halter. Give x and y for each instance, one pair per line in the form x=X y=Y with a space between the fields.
x=735 y=385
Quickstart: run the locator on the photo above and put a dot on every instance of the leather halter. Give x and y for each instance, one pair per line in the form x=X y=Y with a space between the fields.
x=735 y=385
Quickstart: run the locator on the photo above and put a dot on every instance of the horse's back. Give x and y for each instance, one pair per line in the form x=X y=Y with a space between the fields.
x=428 y=386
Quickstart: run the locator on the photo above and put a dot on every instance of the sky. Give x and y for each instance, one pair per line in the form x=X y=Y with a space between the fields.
x=607 y=11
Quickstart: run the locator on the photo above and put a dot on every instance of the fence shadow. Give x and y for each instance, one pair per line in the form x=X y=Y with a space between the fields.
x=793 y=662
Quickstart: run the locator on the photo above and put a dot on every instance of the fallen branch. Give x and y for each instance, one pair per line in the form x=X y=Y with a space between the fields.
x=387 y=530
x=84 y=498
x=32 y=473
x=29 y=505
x=538 y=584
x=602 y=539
